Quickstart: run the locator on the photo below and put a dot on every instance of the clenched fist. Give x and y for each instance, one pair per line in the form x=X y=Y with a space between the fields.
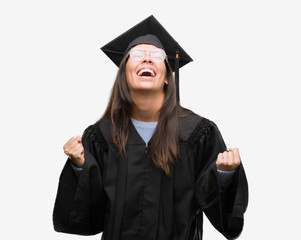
x=75 y=151
x=228 y=161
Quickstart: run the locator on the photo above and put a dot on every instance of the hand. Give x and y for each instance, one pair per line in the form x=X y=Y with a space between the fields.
x=75 y=151
x=228 y=161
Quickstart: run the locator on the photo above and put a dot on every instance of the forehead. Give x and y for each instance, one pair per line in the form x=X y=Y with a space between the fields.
x=146 y=47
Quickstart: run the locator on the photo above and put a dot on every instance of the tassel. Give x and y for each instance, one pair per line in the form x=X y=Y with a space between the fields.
x=177 y=61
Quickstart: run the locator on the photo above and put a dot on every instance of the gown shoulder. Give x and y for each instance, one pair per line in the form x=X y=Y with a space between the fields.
x=94 y=135
x=193 y=126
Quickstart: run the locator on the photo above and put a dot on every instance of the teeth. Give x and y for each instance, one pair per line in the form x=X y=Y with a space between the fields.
x=146 y=70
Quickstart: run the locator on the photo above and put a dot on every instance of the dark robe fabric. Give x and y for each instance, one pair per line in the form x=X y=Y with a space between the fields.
x=127 y=198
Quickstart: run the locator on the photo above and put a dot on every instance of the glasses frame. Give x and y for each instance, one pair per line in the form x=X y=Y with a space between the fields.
x=151 y=54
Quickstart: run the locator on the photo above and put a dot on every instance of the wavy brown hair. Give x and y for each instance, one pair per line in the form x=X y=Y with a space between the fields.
x=164 y=144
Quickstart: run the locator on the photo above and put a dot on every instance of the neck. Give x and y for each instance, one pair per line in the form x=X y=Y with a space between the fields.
x=147 y=106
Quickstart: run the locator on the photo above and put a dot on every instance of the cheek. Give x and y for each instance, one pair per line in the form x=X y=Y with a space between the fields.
x=163 y=76
x=129 y=70
x=162 y=69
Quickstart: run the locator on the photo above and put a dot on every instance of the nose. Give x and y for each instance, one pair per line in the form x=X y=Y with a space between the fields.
x=147 y=57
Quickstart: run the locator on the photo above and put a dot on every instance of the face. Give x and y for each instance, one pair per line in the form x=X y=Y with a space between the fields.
x=145 y=74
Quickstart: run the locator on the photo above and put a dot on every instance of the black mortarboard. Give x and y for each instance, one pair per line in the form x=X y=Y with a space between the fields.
x=149 y=31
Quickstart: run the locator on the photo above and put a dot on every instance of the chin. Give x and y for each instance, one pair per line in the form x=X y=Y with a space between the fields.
x=146 y=88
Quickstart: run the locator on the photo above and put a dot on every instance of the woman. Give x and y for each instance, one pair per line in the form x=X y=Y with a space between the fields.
x=149 y=168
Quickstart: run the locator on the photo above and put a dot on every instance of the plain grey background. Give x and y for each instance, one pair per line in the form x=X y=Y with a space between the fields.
x=55 y=82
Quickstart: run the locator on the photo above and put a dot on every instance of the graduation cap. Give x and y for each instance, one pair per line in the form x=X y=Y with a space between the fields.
x=148 y=31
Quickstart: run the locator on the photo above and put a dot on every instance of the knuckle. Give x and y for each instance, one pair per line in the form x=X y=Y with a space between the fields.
x=228 y=163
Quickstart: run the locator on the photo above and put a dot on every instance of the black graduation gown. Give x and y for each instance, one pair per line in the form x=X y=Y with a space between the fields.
x=127 y=198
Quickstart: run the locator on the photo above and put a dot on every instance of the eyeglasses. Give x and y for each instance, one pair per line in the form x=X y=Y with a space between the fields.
x=138 y=54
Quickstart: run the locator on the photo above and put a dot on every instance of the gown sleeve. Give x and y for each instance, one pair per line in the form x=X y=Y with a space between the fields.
x=224 y=209
x=80 y=202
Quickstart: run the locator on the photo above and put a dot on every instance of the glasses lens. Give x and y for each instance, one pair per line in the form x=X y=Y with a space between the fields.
x=158 y=55
x=137 y=54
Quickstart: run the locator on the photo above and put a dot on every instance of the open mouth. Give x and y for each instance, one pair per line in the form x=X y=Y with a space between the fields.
x=146 y=72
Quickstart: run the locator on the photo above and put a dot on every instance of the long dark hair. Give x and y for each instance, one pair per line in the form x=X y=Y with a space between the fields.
x=164 y=144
